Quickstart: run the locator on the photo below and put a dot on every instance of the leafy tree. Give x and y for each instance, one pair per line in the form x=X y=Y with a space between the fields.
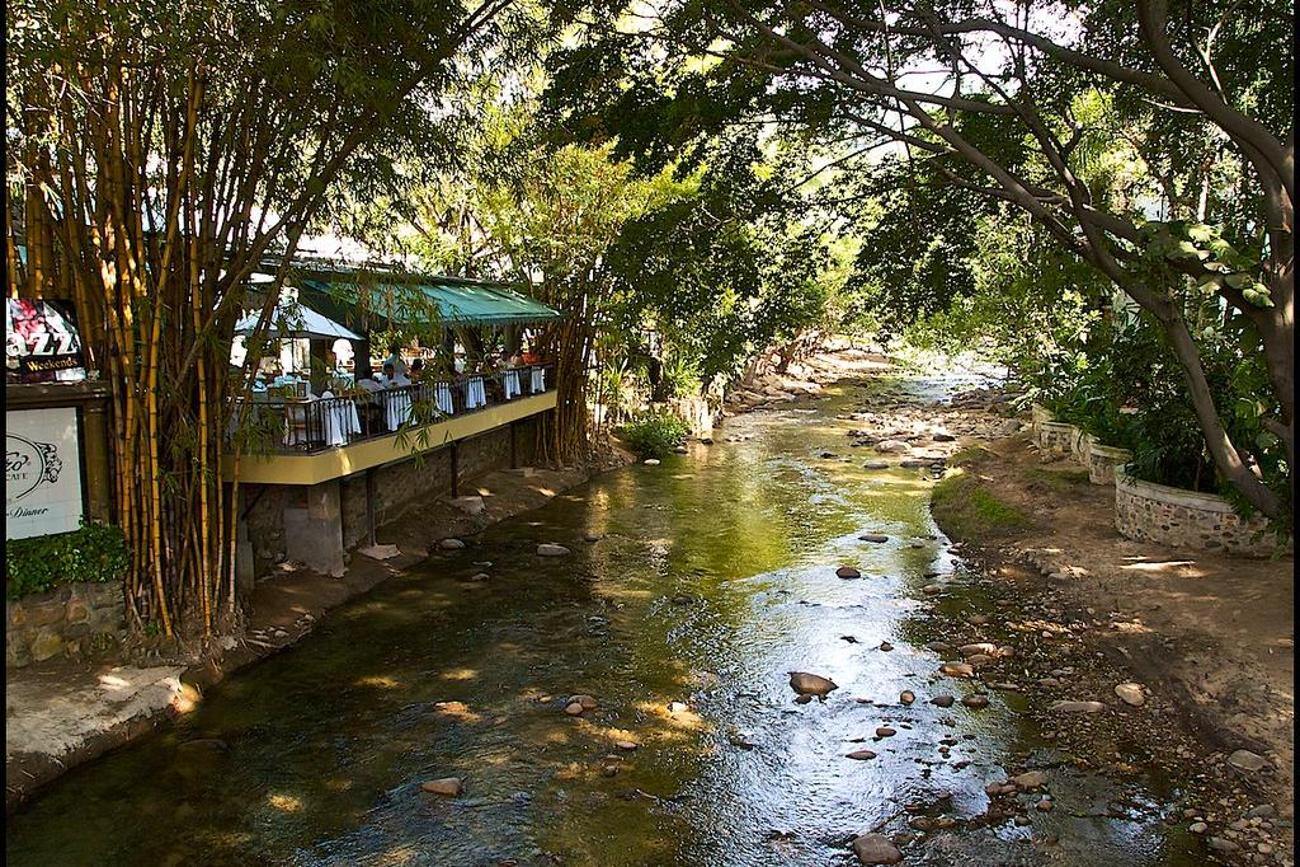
x=988 y=99
x=160 y=153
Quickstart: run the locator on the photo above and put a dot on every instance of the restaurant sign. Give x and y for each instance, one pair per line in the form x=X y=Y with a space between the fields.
x=42 y=472
x=42 y=343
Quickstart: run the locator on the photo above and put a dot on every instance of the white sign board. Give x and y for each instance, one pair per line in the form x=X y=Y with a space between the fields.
x=42 y=472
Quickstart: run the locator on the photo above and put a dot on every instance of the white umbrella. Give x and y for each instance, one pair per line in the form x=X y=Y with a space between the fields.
x=294 y=319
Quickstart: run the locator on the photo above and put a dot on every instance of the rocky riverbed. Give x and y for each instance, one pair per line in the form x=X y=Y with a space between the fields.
x=759 y=652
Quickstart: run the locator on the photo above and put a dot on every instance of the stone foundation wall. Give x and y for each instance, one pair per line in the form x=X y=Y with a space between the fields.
x=1103 y=461
x=70 y=620
x=263 y=507
x=1184 y=519
x=1056 y=436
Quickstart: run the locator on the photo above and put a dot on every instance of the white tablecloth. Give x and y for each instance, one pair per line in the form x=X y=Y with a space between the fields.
x=397 y=410
x=538 y=382
x=510 y=382
x=295 y=424
x=475 y=394
x=442 y=397
x=340 y=419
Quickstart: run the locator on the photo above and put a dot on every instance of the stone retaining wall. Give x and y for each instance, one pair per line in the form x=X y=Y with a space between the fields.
x=1185 y=519
x=1056 y=436
x=1103 y=462
x=73 y=620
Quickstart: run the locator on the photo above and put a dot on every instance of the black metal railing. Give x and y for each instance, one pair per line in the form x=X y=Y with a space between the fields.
x=305 y=425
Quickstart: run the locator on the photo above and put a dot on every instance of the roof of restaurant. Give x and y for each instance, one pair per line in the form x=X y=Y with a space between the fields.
x=368 y=301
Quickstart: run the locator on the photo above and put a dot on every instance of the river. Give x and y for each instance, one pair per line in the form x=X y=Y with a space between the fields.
x=714 y=576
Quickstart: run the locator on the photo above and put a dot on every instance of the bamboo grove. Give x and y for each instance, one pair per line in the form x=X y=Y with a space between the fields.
x=157 y=157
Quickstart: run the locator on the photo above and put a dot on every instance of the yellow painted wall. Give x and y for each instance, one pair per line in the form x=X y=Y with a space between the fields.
x=287 y=469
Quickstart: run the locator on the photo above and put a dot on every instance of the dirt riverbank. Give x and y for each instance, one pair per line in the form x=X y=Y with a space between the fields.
x=1204 y=642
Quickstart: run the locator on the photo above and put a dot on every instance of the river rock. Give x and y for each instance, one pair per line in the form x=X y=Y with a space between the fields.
x=873 y=537
x=885 y=732
x=886 y=447
x=1245 y=760
x=628 y=746
x=811 y=684
x=847 y=572
x=886 y=646
x=876 y=849
x=591 y=537
x=1078 y=706
x=451 y=544
x=679 y=450
x=1219 y=844
x=907 y=696
x=448 y=787
x=470 y=505
x=549 y=549
x=982 y=647
x=941 y=437
x=976 y=702
x=876 y=465
x=943 y=700
x=957 y=669
x=1030 y=780
x=479 y=576
x=1131 y=694
x=651 y=462
x=678 y=707
x=861 y=755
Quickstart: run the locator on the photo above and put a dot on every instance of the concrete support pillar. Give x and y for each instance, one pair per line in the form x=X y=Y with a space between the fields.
x=245 y=559
x=313 y=529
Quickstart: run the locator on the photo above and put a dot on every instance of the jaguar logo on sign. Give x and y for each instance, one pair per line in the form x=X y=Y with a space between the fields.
x=27 y=464
x=43 y=493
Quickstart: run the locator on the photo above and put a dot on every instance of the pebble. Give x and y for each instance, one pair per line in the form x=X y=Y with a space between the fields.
x=626 y=745
x=861 y=755
x=548 y=549
x=886 y=646
x=1131 y=694
x=1077 y=706
x=651 y=462
x=876 y=849
x=1245 y=760
x=1198 y=827
x=907 y=696
x=451 y=544
x=448 y=787
x=847 y=572
x=874 y=537
x=885 y=732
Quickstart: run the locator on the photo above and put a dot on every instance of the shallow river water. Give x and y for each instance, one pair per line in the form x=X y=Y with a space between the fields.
x=322 y=749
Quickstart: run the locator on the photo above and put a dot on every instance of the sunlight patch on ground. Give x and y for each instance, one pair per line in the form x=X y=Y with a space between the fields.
x=456 y=710
x=284 y=803
x=378 y=681
x=459 y=674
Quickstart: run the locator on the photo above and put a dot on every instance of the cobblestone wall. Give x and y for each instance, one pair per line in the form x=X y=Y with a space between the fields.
x=1103 y=461
x=71 y=620
x=1185 y=519
x=1056 y=436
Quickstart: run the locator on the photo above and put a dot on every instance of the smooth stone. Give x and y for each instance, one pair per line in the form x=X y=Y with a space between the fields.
x=1078 y=706
x=811 y=684
x=1030 y=780
x=886 y=646
x=448 y=787
x=651 y=462
x=573 y=709
x=586 y=702
x=907 y=696
x=861 y=755
x=1245 y=760
x=957 y=669
x=678 y=706
x=944 y=700
x=982 y=647
x=479 y=576
x=380 y=552
x=470 y=505
x=1219 y=844
x=876 y=465
x=876 y=849
x=1131 y=694
x=1198 y=827
x=451 y=544
x=548 y=549
x=591 y=537
x=885 y=732
x=847 y=572
x=873 y=537
x=626 y=745
x=975 y=702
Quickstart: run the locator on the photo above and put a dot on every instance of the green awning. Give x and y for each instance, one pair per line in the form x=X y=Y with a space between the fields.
x=366 y=302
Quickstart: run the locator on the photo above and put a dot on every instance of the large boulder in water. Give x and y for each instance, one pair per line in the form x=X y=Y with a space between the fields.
x=811 y=684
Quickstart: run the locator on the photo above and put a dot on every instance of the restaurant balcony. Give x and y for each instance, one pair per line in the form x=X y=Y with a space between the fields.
x=306 y=441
